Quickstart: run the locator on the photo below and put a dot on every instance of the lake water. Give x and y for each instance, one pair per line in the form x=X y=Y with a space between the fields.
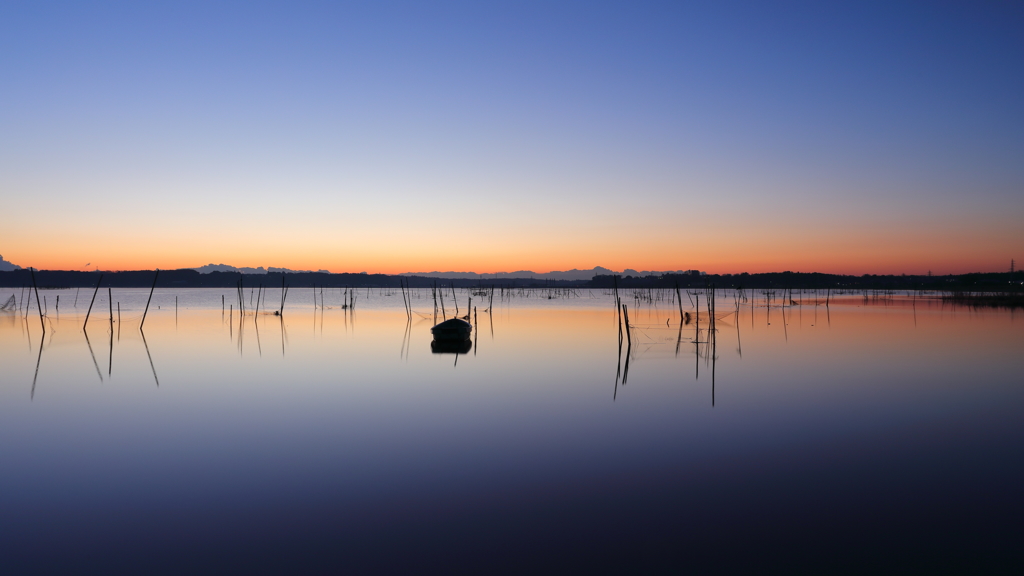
x=875 y=434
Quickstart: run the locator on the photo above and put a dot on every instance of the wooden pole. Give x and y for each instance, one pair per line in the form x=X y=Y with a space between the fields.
x=625 y=314
x=404 y=299
x=281 y=311
x=146 y=311
x=680 y=298
x=38 y=305
x=696 y=307
x=93 y=301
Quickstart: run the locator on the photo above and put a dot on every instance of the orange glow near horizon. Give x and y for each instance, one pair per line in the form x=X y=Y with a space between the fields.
x=714 y=262
x=403 y=243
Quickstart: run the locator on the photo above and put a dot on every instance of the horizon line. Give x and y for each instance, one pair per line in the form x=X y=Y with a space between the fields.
x=280 y=270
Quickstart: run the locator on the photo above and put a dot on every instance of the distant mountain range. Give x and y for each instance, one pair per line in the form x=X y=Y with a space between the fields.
x=6 y=266
x=245 y=270
x=573 y=274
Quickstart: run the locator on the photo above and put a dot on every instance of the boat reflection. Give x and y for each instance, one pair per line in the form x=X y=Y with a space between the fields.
x=450 y=347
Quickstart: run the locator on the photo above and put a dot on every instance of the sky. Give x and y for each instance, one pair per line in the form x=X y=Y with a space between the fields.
x=495 y=136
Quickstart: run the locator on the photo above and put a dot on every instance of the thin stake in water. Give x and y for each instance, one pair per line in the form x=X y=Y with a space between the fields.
x=146 y=311
x=93 y=301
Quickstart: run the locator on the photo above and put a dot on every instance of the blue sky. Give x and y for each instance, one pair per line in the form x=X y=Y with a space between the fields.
x=547 y=135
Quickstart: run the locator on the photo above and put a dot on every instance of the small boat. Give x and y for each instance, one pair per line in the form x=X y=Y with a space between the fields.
x=454 y=330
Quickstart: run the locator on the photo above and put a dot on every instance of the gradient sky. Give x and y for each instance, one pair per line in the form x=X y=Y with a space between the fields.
x=496 y=136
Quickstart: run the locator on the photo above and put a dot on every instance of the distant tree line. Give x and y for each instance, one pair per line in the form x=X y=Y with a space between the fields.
x=188 y=278
x=818 y=280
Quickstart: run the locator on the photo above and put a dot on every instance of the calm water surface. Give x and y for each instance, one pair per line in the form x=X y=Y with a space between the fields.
x=874 y=434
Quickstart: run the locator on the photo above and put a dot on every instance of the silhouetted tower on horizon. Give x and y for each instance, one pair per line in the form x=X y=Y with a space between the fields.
x=1011 y=265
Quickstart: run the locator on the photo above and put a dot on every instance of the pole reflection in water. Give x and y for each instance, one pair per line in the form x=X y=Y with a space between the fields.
x=406 y=338
x=110 y=354
x=739 y=344
x=623 y=320
x=714 y=359
x=259 y=347
x=281 y=319
x=150 y=356
x=679 y=335
x=91 y=354
x=785 y=330
x=39 y=359
x=618 y=372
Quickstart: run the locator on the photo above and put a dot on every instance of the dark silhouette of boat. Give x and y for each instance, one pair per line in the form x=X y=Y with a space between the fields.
x=455 y=330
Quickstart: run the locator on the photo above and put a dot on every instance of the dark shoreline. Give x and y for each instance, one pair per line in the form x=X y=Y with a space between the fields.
x=1005 y=282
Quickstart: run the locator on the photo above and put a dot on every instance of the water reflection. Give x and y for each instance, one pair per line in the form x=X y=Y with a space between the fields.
x=636 y=341
x=336 y=440
x=463 y=347
x=641 y=336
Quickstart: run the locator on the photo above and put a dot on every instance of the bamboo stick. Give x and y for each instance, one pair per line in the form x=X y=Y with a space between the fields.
x=38 y=305
x=146 y=311
x=91 y=302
